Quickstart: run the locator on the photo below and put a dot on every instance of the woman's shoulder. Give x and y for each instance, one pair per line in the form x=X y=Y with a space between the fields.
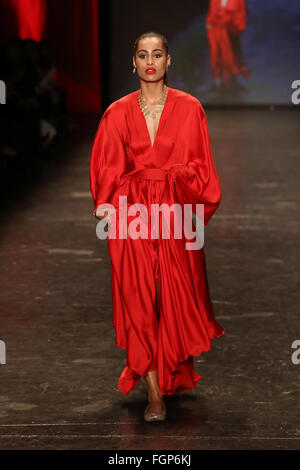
x=187 y=99
x=116 y=111
x=124 y=100
x=118 y=105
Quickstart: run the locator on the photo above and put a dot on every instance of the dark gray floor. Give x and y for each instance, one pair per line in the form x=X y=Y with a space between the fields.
x=58 y=388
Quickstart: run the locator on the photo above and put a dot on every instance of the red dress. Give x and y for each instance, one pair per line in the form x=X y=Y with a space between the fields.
x=179 y=167
x=226 y=23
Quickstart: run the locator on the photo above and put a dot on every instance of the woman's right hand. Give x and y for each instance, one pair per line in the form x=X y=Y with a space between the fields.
x=108 y=212
x=100 y=217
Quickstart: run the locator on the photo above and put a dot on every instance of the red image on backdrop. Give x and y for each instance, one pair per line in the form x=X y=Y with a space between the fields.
x=225 y=20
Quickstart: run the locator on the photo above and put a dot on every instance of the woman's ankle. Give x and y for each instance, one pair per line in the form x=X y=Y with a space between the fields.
x=154 y=392
x=155 y=395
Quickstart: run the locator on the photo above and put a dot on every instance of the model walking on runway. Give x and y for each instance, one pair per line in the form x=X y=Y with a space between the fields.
x=152 y=147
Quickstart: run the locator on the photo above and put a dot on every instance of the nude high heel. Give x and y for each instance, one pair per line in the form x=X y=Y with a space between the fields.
x=155 y=416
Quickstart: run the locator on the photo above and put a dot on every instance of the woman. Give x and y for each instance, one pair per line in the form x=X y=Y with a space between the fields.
x=225 y=20
x=152 y=147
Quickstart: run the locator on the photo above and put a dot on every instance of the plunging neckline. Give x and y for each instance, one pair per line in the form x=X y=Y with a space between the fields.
x=160 y=119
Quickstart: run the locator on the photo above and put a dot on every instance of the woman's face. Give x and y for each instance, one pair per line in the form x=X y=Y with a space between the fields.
x=150 y=54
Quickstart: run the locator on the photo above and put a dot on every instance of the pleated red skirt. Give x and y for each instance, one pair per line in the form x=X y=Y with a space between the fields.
x=167 y=338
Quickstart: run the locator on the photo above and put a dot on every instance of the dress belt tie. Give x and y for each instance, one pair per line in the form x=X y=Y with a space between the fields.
x=157 y=174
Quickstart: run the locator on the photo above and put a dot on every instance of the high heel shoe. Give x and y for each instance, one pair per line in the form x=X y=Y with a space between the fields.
x=155 y=416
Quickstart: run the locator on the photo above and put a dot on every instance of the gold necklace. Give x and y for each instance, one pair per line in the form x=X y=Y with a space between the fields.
x=159 y=106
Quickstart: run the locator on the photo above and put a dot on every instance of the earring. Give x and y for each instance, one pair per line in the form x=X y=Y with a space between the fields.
x=134 y=69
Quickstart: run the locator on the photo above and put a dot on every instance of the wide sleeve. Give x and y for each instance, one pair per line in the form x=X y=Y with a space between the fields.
x=239 y=20
x=211 y=13
x=196 y=179
x=108 y=159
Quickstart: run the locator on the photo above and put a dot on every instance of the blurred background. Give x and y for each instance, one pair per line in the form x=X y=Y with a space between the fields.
x=59 y=59
x=269 y=39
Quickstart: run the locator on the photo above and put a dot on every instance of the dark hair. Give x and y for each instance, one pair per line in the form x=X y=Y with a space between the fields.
x=151 y=34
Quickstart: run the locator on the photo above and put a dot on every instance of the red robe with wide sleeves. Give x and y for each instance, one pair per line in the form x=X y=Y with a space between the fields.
x=178 y=168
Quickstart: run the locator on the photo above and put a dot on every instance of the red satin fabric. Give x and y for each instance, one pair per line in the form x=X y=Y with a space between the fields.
x=225 y=23
x=178 y=168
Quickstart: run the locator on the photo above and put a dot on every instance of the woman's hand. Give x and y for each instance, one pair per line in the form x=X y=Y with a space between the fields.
x=100 y=217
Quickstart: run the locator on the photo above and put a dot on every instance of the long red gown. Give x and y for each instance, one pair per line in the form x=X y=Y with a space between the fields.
x=179 y=167
x=226 y=23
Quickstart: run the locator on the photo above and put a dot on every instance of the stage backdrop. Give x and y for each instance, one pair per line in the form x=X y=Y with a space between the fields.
x=270 y=48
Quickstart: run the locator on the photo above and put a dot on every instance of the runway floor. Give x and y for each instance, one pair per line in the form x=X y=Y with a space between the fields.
x=58 y=387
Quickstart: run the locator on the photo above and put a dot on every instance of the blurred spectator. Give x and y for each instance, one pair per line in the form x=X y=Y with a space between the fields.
x=36 y=105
